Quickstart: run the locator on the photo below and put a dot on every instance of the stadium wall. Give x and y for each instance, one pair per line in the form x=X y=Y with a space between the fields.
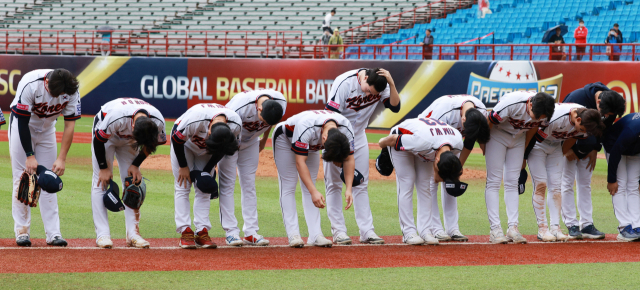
x=175 y=84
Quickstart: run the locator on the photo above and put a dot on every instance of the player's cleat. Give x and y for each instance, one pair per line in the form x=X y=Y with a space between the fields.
x=429 y=239
x=458 y=236
x=188 y=239
x=514 y=236
x=321 y=242
x=256 y=240
x=590 y=232
x=296 y=242
x=234 y=241
x=138 y=242
x=442 y=237
x=545 y=235
x=202 y=240
x=57 y=241
x=342 y=239
x=496 y=236
x=373 y=239
x=627 y=235
x=104 y=242
x=557 y=232
x=413 y=239
x=575 y=233
x=23 y=241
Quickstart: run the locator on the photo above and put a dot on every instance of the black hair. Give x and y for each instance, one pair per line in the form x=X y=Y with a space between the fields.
x=271 y=112
x=449 y=167
x=429 y=30
x=581 y=21
x=616 y=25
x=145 y=132
x=221 y=140
x=592 y=121
x=377 y=81
x=476 y=126
x=61 y=81
x=612 y=102
x=543 y=104
x=336 y=147
x=333 y=10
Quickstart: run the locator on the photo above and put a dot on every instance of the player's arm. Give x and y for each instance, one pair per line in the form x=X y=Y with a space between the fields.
x=388 y=141
x=394 y=98
x=263 y=140
x=178 y=139
x=626 y=137
x=305 y=176
x=466 y=150
x=71 y=114
x=533 y=135
x=22 y=111
x=100 y=137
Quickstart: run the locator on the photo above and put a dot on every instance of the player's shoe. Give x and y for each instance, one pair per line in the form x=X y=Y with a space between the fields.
x=104 y=242
x=256 y=240
x=429 y=239
x=321 y=241
x=203 y=240
x=496 y=236
x=557 y=232
x=514 y=236
x=342 y=239
x=296 y=242
x=442 y=237
x=458 y=236
x=545 y=235
x=575 y=233
x=234 y=241
x=138 y=242
x=372 y=239
x=590 y=232
x=413 y=239
x=23 y=241
x=188 y=239
x=57 y=241
x=627 y=235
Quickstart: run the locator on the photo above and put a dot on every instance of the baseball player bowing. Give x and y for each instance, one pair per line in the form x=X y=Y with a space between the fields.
x=580 y=163
x=622 y=146
x=42 y=96
x=199 y=139
x=355 y=94
x=296 y=146
x=517 y=113
x=259 y=110
x=545 y=158
x=468 y=115
x=129 y=129
x=422 y=150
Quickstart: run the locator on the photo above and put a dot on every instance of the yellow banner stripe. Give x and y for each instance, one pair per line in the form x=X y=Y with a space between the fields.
x=98 y=71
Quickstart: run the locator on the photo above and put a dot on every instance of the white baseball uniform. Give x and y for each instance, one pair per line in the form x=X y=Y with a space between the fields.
x=546 y=161
x=504 y=153
x=412 y=156
x=112 y=126
x=246 y=162
x=191 y=129
x=448 y=109
x=34 y=101
x=301 y=134
x=348 y=99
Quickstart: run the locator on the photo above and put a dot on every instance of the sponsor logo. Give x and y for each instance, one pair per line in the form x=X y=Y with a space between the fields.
x=78 y=110
x=448 y=185
x=334 y=105
x=636 y=116
x=103 y=134
x=362 y=102
x=112 y=198
x=497 y=116
x=50 y=173
x=541 y=133
x=179 y=135
x=402 y=148
x=23 y=107
x=205 y=174
x=302 y=145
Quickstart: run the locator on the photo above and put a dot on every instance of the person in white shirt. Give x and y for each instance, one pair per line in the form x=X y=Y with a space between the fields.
x=326 y=23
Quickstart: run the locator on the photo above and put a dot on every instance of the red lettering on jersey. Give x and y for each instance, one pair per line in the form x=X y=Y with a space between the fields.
x=179 y=135
x=199 y=141
x=316 y=147
x=254 y=126
x=520 y=124
x=23 y=107
x=564 y=135
x=43 y=110
x=359 y=102
x=497 y=116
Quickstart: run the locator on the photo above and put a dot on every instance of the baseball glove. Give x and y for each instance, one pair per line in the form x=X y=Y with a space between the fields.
x=133 y=194
x=28 y=190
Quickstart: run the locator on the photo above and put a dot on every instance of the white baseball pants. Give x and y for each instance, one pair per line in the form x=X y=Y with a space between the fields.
x=246 y=163
x=545 y=166
x=626 y=202
x=449 y=210
x=504 y=154
x=287 y=180
x=201 y=202
x=576 y=172
x=46 y=152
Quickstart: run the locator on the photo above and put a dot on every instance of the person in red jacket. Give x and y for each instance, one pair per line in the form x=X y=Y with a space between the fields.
x=581 y=37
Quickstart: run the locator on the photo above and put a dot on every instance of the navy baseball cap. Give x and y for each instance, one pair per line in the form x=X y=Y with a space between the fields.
x=111 y=198
x=48 y=181
x=358 y=178
x=204 y=182
x=455 y=188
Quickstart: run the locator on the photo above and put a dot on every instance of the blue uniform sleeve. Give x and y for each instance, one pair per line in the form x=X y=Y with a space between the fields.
x=626 y=137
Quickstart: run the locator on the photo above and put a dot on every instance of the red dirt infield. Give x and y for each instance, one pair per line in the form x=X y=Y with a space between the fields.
x=164 y=255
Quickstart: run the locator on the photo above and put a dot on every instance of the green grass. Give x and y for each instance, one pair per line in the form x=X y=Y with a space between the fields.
x=566 y=276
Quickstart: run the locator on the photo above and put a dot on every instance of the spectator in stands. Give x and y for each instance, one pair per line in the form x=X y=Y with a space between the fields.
x=326 y=23
x=336 y=39
x=557 y=51
x=105 y=48
x=614 y=36
x=427 y=42
x=581 y=38
x=483 y=7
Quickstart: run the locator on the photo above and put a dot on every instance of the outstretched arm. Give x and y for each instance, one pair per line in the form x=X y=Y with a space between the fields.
x=67 y=138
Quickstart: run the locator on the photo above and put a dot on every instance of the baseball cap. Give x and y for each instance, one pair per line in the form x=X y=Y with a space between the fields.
x=204 y=182
x=48 y=180
x=111 y=198
x=358 y=178
x=383 y=163
x=455 y=188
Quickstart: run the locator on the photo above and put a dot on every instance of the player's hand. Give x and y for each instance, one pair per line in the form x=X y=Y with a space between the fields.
x=613 y=188
x=104 y=177
x=571 y=156
x=348 y=198
x=387 y=75
x=183 y=176
x=58 y=167
x=31 y=165
x=593 y=156
x=483 y=147
x=318 y=199
x=134 y=171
